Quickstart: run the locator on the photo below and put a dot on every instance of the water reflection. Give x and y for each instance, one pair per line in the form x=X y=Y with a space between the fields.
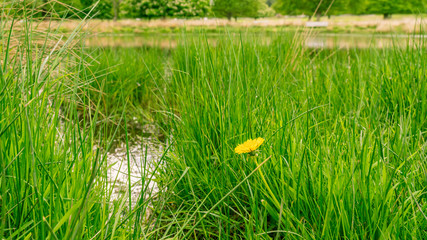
x=345 y=41
x=362 y=41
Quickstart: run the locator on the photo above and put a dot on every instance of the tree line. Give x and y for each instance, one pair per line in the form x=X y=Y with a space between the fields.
x=357 y=7
x=151 y=9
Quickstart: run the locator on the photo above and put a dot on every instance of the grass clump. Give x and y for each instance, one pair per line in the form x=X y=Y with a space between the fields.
x=54 y=141
x=48 y=181
x=344 y=134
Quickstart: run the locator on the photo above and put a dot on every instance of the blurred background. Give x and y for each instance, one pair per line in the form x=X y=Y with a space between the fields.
x=141 y=10
x=151 y=9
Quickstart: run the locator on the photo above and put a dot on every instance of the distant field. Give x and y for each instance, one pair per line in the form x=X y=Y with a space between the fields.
x=336 y=24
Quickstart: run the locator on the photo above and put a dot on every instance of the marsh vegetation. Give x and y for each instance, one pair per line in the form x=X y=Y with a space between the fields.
x=344 y=154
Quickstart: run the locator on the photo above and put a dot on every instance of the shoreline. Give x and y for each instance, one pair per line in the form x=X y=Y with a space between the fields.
x=368 y=24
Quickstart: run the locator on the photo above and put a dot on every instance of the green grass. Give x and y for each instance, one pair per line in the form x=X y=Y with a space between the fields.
x=128 y=78
x=345 y=154
x=345 y=138
x=54 y=142
x=49 y=186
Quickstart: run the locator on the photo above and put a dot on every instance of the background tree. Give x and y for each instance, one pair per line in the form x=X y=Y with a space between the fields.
x=201 y=7
x=237 y=8
x=116 y=9
x=68 y=9
x=153 y=8
x=307 y=7
x=102 y=10
x=337 y=7
x=288 y=7
x=385 y=7
x=388 y=7
x=128 y=9
x=320 y=8
x=163 y=8
x=356 y=6
x=270 y=2
x=265 y=10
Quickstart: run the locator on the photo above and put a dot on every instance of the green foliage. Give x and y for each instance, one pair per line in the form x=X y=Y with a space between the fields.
x=237 y=8
x=81 y=8
x=270 y=2
x=87 y=3
x=309 y=7
x=387 y=8
x=99 y=9
x=68 y=8
x=333 y=7
x=104 y=9
x=163 y=8
x=289 y=7
x=356 y=7
x=62 y=8
x=265 y=11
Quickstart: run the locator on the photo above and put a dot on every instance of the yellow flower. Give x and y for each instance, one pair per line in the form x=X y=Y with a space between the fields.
x=249 y=146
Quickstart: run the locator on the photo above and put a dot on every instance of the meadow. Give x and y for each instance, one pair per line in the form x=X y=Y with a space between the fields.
x=344 y=156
